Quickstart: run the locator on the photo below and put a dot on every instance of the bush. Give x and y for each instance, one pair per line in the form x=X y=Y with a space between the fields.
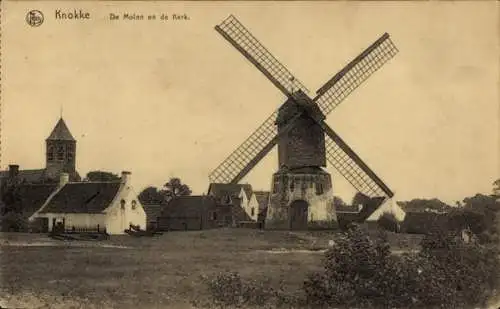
x=229 y=290
x=469 y=272
x=361 y=272
x=353 y=272
x=13 y=222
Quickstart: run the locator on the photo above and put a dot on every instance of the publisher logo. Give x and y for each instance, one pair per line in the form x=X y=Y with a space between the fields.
x=34 y=18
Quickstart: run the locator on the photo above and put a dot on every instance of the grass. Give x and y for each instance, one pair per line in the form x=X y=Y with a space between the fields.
x=160 y=272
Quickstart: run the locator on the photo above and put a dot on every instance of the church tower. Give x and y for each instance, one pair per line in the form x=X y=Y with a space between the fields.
x=61 y=152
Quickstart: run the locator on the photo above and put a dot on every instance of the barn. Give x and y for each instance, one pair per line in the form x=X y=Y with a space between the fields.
x=189 y=213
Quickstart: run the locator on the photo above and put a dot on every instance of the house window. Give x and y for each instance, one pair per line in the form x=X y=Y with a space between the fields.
x=213 y=215
x=134 y=203
x=122 y=203
x=60 y=153
x=252 y=211
x=319 y=188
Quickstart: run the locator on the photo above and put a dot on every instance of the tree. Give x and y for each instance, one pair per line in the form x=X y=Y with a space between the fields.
x=102 y=176
x=482 y=214
x=496 y=187
x=338 y=201
x=151 y=195
x=174 y=188
x=482 y=203
x=420 y=205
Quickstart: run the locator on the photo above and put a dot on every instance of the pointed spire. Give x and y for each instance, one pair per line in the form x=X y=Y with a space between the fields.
x=61 y=132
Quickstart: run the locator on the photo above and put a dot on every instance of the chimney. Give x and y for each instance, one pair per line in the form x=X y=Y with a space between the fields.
x=13 y=170
x=126 y=176
x=63 y=179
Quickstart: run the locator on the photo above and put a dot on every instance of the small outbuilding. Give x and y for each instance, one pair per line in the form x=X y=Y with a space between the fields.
x=189 y=213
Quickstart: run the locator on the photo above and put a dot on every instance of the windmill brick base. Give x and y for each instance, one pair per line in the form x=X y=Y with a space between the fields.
x=301 y=199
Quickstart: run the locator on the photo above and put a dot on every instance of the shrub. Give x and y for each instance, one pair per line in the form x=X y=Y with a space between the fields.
x=447 y=273
x=353 y=272
x=229 y=290
x=469 y=272
x=359 y=271
x=13 y=222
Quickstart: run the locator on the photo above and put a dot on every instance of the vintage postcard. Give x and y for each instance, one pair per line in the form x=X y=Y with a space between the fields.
x=246 y=154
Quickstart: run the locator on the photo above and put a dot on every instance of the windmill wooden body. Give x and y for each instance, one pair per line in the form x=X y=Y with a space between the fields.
x=302 y=194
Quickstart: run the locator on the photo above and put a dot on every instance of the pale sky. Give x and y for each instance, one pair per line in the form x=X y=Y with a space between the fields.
x=173 y=98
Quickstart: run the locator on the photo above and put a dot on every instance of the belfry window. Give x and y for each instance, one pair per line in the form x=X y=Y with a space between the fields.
x=50 y=153
x=60 y=153
x=70 y=153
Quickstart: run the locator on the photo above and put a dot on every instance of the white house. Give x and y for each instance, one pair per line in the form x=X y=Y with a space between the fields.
x=112 y=206
x=387 y=207
x=241 y=192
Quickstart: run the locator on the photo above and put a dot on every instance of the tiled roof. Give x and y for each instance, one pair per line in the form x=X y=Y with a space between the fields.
x=37 y=176
x=262 y=198
x=61 y=132
x=83 y=197
x=32 y=197
x=222 y=189
x=153 y=211
x=29 y=176
x=188 y=206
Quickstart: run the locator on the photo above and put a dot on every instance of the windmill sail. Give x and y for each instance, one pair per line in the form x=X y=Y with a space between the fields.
x=352 y=168
x=355 y=73
x=236 y=34
x=250 y=152
x=261 y=141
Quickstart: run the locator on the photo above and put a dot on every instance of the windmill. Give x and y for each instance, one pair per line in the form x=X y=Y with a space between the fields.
x=301 y=194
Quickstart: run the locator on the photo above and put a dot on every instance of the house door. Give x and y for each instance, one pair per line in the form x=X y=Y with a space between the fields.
x=44 y=225
x=298 y=215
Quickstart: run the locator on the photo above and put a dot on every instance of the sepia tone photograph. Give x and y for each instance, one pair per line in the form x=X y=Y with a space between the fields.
x=247 y=154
